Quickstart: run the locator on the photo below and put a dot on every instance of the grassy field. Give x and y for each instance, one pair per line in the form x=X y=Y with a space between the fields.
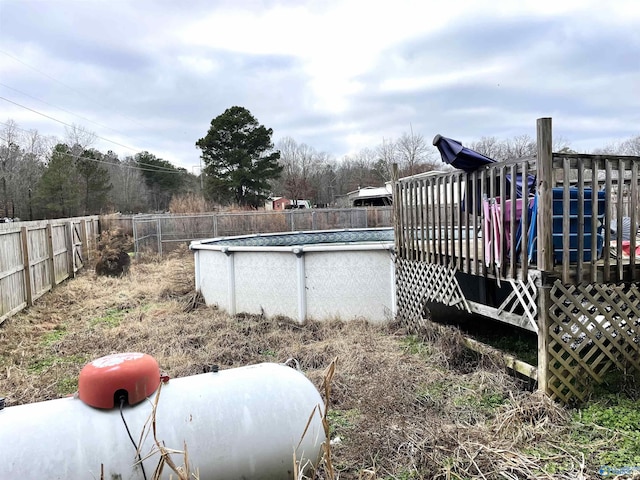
x=402 y=406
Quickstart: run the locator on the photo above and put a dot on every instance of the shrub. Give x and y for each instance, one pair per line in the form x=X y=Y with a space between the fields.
x=113 y=258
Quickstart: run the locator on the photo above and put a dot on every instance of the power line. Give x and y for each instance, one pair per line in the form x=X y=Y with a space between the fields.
x=65 y=123
x=155 y=168
x=71 y=126
x=65 y=85
x=55 y=106
x=72 y=89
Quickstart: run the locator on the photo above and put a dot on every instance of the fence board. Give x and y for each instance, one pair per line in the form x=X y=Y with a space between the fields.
x=13 y=296
x=39 y=272
x=60 y=258
x=35 y=256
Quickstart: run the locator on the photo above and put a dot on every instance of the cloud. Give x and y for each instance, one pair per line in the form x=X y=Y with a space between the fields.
x=337 y=75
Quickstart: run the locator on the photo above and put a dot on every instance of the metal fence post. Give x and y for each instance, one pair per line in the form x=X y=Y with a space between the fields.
x=135 y=237
x=159 y=235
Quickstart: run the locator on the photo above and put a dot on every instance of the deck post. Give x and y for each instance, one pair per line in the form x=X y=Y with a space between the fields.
x=396 y=205
x=545 y=195
x=544 y=304
x=544 y=171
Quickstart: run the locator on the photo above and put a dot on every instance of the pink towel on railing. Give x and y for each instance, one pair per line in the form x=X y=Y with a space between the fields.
x=486 y=214
x=626 y=249
x=497 y=233
x=493 y=231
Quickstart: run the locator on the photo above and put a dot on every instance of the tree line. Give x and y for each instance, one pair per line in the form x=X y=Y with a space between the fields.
x=44 y=177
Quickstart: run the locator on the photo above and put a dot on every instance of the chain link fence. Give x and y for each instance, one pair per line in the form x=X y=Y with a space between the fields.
x=160 y=234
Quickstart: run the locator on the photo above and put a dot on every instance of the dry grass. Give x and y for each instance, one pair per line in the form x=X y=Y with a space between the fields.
x=190 y=203
x=400 y=407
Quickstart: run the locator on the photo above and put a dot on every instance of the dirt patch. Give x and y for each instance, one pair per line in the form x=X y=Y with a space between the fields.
x=402 y=406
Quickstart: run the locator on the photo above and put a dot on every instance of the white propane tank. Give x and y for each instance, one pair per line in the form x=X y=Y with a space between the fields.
x=241 y=423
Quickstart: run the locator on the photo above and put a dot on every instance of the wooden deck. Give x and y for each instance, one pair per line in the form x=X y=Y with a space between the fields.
x=471 y=257
x=565 y=258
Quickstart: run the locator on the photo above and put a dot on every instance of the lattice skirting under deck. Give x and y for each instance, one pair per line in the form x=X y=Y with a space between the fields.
x=593 y=329
x=420 y=282
x=522 y=301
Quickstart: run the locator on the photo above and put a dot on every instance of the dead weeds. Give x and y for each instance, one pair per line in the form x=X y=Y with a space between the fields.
x=401 y=407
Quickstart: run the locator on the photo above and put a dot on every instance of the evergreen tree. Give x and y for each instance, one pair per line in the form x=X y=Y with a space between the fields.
x=239 y=158
x=59 y=187
x=95 y=181
x=162 y=178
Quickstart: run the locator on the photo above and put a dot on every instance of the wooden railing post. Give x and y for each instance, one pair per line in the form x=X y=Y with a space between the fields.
x=544 y=172
x=545 y=195
x=24 y=236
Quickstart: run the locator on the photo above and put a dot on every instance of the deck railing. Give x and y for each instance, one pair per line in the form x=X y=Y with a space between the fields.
x=614 y=181
x=466 y=220
x=558 y=215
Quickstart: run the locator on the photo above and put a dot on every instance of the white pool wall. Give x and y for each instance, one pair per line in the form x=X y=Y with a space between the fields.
x=329 y=280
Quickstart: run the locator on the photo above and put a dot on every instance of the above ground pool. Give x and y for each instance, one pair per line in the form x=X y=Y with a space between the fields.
x=316 y=274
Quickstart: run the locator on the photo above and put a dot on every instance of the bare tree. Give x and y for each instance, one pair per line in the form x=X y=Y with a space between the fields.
x=35 y=151
x=357 y=171
x=299 y=162
x=387 y=155
x=129 y=192
x=518 y=147
x=10 y=133
x=413 y=152
x=561 y=144
x=490 y=147
x=631 y=146
x=324 y=180
x=36 y=145
x=10 y=154
x=79 y=138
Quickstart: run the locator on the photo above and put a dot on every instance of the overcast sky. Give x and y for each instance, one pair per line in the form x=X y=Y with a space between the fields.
x=338 y=75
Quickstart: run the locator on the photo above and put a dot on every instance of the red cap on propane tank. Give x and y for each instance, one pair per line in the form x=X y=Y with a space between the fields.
x=106 y=380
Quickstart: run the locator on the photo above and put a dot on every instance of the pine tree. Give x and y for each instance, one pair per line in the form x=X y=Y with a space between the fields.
x=59 y=187
x=239 y=158
x=95 y=181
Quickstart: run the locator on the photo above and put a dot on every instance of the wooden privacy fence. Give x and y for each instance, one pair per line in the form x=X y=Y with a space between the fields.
x=37 y=256
x=162 y=233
